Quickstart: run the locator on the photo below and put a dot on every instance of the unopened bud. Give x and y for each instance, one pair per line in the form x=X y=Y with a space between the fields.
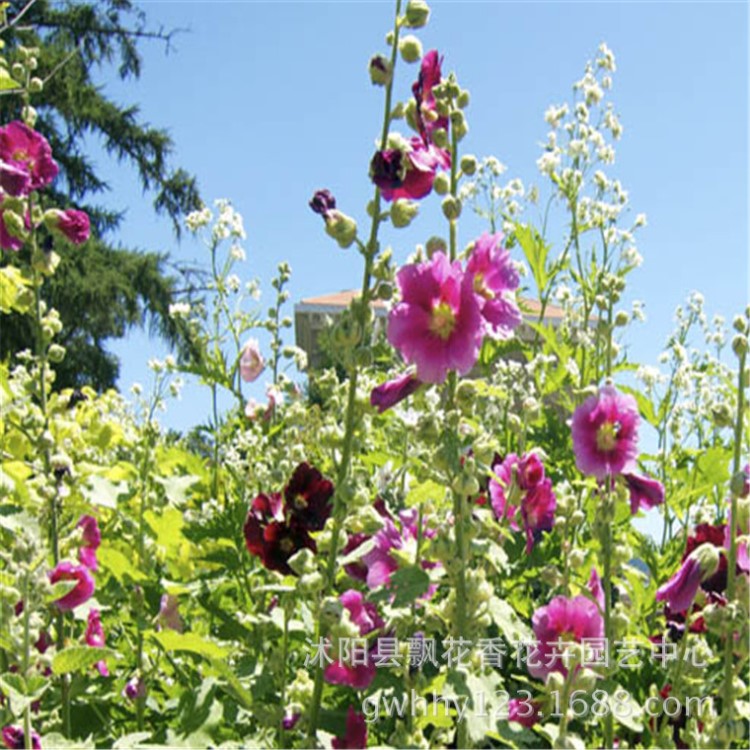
x=342 y=228
x=14 y=224
x=739 y=344
x=403 y=211
x=440 y=137
x=56 y=353
x=410 y=48
x=18 y=71
x=740 y=484
x=36 y=85
x=435 y=245
x=380 y=70
x=417 y=14
x=463 y=99
x=385 y=291
x=451 y=207
x=469 y=164
x=739 y=323
x=622 y=318
x=442 y=184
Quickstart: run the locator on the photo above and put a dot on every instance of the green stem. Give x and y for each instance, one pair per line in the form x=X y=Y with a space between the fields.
x=728 y=692
x=26 y=659
x=607 y=585
x=284 y=658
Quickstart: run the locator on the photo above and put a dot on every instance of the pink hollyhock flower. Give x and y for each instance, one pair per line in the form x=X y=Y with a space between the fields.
x=134 y=688
x=251 y=361
x=15 y=739
x=14 y=180
x=519 y=484
x=72 y=224
x=680 y=590
x=83 y=590
x=26 y=149
x=562 y=620
x=290 y=721
x=365 y=616
x=495 y=283
x=644 y=492
x=408 y=171
x=391 y=392
x=169 y=616
x=355 y=737
x=95 y=637
x=524 y=711
x=91 y=538
x=308 y=497
x=428 y=119
x=605 y=433
x=437 y=325
x=596 y=589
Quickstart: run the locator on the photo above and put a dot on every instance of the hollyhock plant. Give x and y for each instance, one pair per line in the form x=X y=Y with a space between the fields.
x=95 y=637
x=72 y=224
x=251 y=361
x=14 y=180
x=519 y=488
x=365 y=616
x=605 y=433
x=562 y=619
x=134 y=688
x=407 y=169
x=680 y=590
x=11 y=236
x=390 y=393
x=169 y=616
x=428 y=119
x=437 y=325
x=355 y=737
x=644 y=492
x=81 y=592
x=524 y=711
x=15 y=739
x=495 y=283
x=91 y=537
x=308 y=497
x=24 y=148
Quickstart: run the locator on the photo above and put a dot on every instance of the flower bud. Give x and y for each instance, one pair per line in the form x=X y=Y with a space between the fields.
x=29 y=115
x=410 y=48
x=56 y=353
x=740 y=484
x=451 y=207
x=463 y=98
x=555 y=682
x=18 y=71
x=302 y=562
x=435 y=245
x=380 y=70
x=14 y=224
x=442 y=183
x=331 y=611
x=417 y=14
x=739 y=324
x=469 y=164
x=459 y=124
x=722 y=415
x=440 y=137
x=621 y=318
x=36 y=85
x=403 y=211
x=739 y=344
x=342 y=228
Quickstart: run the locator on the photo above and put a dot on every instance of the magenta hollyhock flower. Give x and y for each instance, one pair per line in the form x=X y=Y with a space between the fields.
x=645 y=492
x=605 y=433
x=95 y=637
x=290 y=721
x=524 y=711
x=251 y=361
x=409 y=170
x=428 y=119
x=308 y=497
x=26 y=149
x=356 y=569
x=15 y=739
x=680 y=590
x=355 y=737
x=391 y=392
x=519 y=487
x=365 y=616
x=14 y=180
x=169 y=615
x=437 y=325
x=134 y=688
x=269 y=537
x=83 y=590
x=91 y=537
x=596 y=588
x=495 y=283
x=72 y=224
x=562 y=620
x=718 y=536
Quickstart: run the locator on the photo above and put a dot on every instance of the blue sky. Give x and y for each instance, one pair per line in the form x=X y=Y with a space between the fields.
x=267 y=102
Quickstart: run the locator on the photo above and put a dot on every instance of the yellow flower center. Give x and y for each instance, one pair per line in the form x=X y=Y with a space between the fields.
x=299 y=502
x=606 y=436
x=21 y=155
x=481 y=288
x=287 y=545
x=443 y=320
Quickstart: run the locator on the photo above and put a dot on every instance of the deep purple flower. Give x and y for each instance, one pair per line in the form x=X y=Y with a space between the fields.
x=15 y=739
x=290 y=721
x=495 y=283
x=391 y=392
x=428 y=119
x=26 y=149
x=605 y=433
x=134 y=688
x=95 y=637
x=355 y=737
x=308 y=497
x=83 y=590
x=562 y=620
x=644 y=492
x=437 y=325
x=323 y=203
x=409 y=170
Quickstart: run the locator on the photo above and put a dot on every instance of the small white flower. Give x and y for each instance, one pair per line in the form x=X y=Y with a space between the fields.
x=237 y=252
x=234 y=283
x=179 y=309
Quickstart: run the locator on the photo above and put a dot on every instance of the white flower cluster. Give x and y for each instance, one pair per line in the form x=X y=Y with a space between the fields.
x=228 y=223
x=196 y=220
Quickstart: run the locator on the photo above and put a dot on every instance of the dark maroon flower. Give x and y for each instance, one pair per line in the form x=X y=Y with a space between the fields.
x=387 y=168
x=355 y=737
x=428 y=120
x=308 y=497
x=390 y=393
x=43 y=642
x=323 y=202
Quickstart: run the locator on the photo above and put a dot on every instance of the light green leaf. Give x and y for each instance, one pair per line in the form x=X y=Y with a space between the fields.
x=118 y=564
x=408 y=584
x=424 y=491
x=77 y=658
x=510 y=624
x=104 y=492
x=176 y=487
x=171 y=640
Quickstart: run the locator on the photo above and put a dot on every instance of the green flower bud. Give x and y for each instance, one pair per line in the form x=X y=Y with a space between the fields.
x=469 y=164
x=707 y=556
x=555 y=682
x=403 y=211
x=576 y=557
x=363 y=357
x=436 y=245
x=14 y=224
x=385 y=291
x=410 y=113
x=56 y=353
x=18 y=71
x=410 y=48
x=442 y=183
x=302 y=562
x=29 y=115
x=722 y=415
x=440 y=137
x=622 y=318
x=739 y=484
x=36 y=85
x=380 y=70
x=331 y=611
x=459 y=124
x=739 y=324
x=342 y=228
x=463 y=99
x=398 y=111
x=739 y=344
x=417 y=14
x=451 y=207
x=311 y=583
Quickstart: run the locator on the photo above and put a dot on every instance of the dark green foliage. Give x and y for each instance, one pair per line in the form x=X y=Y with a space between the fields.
x=101 y=290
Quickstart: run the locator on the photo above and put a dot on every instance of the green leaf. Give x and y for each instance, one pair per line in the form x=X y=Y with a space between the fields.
x=78 y=658
x=118 y=564
x=167 y=527
x=7 y=82
x=510 y=624
x=424 y=491
x=536 y=253
x=171 y=640
x=713 y=465
x=176 y=487
x=408 y=584
x=103 y=492
x=626 y=710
